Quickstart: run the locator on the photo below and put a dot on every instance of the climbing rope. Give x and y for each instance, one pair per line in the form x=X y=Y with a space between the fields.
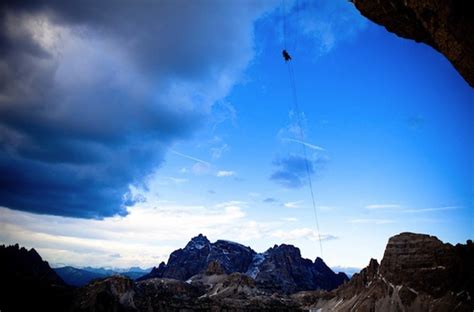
x=290 y=43
x=283 y=17
x=297 y=112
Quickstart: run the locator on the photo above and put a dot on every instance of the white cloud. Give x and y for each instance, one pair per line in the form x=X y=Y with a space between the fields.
x=290 y=219
x=327 y=23
x=223 y=111
x=301 y=233
x=421 y=210
x=216 y=152
x=171 y=180
x=371 y=221
x=144 y=237
x=231 y=203
x=398 y=208
x=224 y=173
x=382 y=206
x=327 y=208
x=296 y=129
x=293 y=204
x=200 y=168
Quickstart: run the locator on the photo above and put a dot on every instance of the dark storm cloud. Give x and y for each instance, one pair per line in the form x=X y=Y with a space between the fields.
x=93 y=92
x=291 y=172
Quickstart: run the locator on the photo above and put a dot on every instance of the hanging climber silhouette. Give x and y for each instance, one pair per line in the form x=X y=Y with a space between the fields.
x=286 y=56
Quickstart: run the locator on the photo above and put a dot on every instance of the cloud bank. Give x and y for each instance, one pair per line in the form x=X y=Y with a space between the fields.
x=93 y=93
x=144 y=237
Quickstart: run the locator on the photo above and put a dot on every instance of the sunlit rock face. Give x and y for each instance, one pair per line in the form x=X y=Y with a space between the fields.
x=447 y=26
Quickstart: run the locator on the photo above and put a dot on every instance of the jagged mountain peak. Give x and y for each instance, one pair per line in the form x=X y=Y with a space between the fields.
x=373 y=267
x=319 y=261
x=285 y=248
x=162 y=264
x=198 y=242
x=200 y=237
x=321 y=265
x=223 y=242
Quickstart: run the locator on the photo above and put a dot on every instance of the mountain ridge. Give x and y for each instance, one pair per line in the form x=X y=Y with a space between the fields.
x=81 y=276
x=280 y=268
x=418 y=272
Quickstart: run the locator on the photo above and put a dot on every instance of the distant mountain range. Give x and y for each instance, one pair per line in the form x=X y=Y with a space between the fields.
x=349 y=271
x=82 y=276
x=417 y=273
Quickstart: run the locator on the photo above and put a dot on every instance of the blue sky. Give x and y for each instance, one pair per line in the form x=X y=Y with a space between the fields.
x=203 y=136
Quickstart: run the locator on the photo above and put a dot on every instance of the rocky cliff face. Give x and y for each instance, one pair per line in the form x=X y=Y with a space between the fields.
x=280 y=269
x=25 y=263
x=424 y=263
x=110 y=294
x=283 y=270
x=417 y=273
x=203 y=292
x=446 y=25
x=28 y=283
x=198 y=253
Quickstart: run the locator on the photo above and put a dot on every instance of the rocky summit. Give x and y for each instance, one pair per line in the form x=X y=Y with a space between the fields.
x=417 y=273
x=198 y=253
x=280 y=269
